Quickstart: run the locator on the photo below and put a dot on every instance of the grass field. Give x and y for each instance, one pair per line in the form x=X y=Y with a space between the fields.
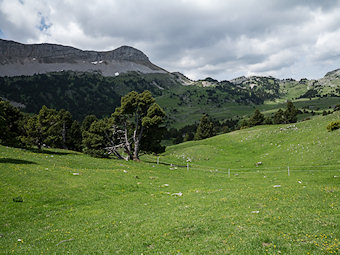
x=75 y=204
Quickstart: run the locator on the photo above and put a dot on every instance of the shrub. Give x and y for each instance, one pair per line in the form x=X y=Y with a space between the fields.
x=333 y=125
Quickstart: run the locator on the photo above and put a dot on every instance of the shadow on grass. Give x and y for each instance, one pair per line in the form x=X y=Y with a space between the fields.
x=16 y=161
x=42 y=151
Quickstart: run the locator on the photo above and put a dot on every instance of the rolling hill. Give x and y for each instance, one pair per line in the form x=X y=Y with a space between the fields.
x=302 y=145
x=74 y=203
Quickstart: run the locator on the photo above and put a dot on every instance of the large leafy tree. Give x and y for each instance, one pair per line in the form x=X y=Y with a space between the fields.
x=205 y=129
x=138 y=115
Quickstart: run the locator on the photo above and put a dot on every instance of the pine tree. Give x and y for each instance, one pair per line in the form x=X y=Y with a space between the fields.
x=34 y=134
x=49 y=128
x=290 y=113
x=10 y=124
x=88 y=120
x=256 y=119
x=154 y=131
x=75 y=136
x=63 y=129
x=48 y=122
x=137 y=115
x=205 y=129
x=97 y=138
x=279 y=117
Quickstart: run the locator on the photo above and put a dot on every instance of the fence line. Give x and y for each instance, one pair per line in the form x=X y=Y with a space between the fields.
x=243 y=168
x=259 y=169
x=262 y=172
x=264 y=168
x=293 y=168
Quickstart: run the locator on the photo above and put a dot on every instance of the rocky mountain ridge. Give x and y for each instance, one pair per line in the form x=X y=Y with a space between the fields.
x=28 y=59
x=90 y=82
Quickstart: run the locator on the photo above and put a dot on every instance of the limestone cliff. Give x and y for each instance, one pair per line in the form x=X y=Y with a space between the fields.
x=28 y=59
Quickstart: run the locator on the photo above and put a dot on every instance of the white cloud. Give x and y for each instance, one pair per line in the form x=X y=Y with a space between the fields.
x=200 y=38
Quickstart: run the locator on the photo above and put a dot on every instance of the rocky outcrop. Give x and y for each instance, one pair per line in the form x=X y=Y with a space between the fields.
x=335 y=74
x=328 y=85
x=182 y=79
x=28 y=59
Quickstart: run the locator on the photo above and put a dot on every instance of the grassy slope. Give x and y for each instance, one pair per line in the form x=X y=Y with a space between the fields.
x=304 y=143
x=108 y=210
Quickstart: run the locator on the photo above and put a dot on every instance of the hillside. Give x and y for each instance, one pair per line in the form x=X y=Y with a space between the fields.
x=79 y=93
x=71 y=202
x=302 y=145
x=89 y=82
x=328 y=85
x=91 y=93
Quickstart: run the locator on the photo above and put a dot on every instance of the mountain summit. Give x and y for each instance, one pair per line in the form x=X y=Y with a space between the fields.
x=28 y=59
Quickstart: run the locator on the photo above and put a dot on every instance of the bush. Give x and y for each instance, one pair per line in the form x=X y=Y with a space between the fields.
x=333 y=125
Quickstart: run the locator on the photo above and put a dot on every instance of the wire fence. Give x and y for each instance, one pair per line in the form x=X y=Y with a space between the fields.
x=189 y=166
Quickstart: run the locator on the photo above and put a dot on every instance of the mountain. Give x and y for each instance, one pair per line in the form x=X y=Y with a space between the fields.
x=328 y=85
x=89 y=82
x=28 y=59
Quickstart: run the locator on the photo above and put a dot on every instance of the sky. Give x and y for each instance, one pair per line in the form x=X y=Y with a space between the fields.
x=222 y=39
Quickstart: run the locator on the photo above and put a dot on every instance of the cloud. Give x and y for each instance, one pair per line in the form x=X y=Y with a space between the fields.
x=217 y=38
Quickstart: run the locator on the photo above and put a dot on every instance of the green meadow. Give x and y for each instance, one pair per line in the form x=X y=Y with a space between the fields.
x=202 y=197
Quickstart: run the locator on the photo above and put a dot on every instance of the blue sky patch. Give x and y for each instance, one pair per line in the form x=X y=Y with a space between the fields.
x=2 y=35
x=43 y=24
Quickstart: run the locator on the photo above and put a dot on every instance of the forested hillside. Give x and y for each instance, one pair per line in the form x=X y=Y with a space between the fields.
x=91 y=93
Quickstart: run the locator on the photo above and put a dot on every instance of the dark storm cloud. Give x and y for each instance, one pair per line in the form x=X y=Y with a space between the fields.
x=201 y=38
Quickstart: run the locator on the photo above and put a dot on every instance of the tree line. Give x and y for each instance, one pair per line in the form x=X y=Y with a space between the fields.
x=289 y=115
x=138 y=124
x=135 y=126
x=208 y=126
